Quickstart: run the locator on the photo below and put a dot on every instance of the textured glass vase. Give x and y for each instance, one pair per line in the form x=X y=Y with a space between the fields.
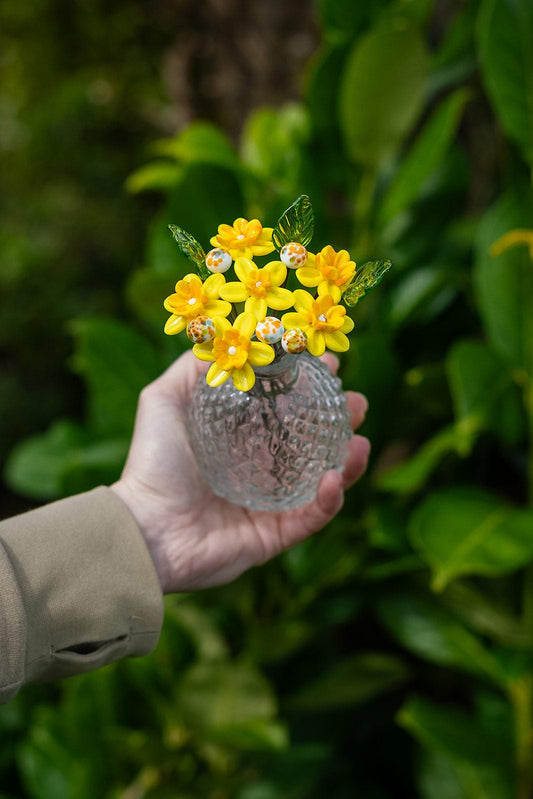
x=267 y=448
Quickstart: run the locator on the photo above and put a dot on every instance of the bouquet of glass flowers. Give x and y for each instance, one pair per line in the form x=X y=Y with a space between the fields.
x=231 y=323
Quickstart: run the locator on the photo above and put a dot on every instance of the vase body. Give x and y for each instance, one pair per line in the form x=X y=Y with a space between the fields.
x=267 y=448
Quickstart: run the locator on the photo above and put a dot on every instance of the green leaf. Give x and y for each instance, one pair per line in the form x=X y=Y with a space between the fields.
x=504 y=283
x=482 y=762
x=191 y=249
x=483 y=391
x=252 y=735
x=382 y=91
x=214 y=695
x=158 y=176
x=469 y=531
x=272 y=142
x=505 y=34
x=411 y=475
x=35 y=468
x=366 y=277
x=425 y=155
x=200 y=143
x=116 y=362
x=352 y=681
x=423 y=626
x=296 y=224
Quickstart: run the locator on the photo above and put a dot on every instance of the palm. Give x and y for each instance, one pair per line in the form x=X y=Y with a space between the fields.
x=197 y=539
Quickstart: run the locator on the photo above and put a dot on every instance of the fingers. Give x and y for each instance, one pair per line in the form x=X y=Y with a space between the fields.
x=357 y=407
x=331 y=361
x=181 y=376
x=357 y=460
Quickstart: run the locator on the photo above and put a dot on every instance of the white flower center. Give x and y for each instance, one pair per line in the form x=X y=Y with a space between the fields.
x=258 y=284
x=192 y=301
x=322 y=318
x=232 y=351
x=240 y=236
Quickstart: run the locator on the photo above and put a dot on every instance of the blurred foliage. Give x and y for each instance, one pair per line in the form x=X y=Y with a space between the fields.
x=392 y=654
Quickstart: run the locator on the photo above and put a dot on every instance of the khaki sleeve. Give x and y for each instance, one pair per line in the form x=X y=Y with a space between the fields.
x=78 y=589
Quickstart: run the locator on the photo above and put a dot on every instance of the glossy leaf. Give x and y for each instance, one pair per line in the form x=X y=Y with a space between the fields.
x=352 y=681
x=483 y=391
x=423 y=626
x=116 y=362
x=191 y=249
x=504 y=283
x=425 y=155
x=37 y=465
x=381 y=91
x=214 y=695
x=468 y=531
x=482 y=762
x=295 y=224
x=200 y=143
x=157 y=176
x=366 y=277
x=505 y=33
x=411 y=475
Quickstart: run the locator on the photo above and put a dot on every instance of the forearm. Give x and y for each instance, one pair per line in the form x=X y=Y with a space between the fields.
x=79 y=590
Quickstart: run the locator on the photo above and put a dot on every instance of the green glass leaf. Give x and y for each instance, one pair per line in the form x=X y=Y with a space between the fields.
x=296 y=224
x=366 y=276
x=191 y=248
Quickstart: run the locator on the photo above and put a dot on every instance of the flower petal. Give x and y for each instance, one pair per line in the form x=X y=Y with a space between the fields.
x=217 y=308
x=245 y=323
x=243 y=379
x=347 y=325
x=329 y=289
x=260 y=248
x=337 y=341
x=204 y=352
x=256 y=306
x=303 y=301
x=221 y=325
x=213 y=284
x=260 y=354
x=244 y=268
x=175 y=324
x=292 y=319
x=308 y=276
x=234 y=292
x=279 y=299
x=316 y=343
x=277 y=272
x=216 y=376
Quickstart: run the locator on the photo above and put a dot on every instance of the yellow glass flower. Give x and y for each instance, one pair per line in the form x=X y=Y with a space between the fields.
x=244 y=238
x=232 y=352
x=193 y=298
x=323 y=322
x=259 y=289
x=331 y=271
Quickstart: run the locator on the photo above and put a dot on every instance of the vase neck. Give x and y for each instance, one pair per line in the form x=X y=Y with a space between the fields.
x=279 y=376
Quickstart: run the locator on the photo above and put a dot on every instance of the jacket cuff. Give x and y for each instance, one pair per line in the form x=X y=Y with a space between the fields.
x=85 y=590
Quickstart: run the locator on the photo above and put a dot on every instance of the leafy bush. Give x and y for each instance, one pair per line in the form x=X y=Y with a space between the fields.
x=392 y=654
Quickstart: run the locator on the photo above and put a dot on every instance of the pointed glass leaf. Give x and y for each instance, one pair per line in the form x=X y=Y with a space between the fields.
x=366 y=276
x=296 y=224
x=191 y=249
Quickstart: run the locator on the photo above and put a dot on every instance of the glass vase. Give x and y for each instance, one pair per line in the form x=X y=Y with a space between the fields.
x=267 y=448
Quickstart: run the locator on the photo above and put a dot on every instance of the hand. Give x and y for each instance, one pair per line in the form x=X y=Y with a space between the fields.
x=195 y=538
